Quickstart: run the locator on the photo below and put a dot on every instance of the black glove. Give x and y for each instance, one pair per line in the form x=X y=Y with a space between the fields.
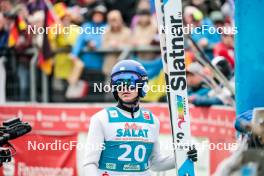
x=192 y=154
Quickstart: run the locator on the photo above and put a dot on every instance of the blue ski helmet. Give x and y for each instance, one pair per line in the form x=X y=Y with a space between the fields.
x=131 y=73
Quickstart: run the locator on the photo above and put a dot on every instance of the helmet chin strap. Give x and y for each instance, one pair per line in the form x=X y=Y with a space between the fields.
x=126 y=105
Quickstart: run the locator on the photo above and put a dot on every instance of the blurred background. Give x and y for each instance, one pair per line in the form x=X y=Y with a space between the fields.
x=47 y=66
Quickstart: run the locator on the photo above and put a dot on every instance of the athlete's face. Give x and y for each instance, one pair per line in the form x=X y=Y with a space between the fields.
x=127 y=95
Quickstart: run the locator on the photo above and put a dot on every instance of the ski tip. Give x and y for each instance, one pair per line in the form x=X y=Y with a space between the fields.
x=187 y=169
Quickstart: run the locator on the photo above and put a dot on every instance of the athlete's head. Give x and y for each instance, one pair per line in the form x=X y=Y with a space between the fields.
x=129 y=80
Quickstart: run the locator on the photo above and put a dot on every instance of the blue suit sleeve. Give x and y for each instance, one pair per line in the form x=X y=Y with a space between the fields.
x=80 y=42
x=77 y=48
x=244 y=117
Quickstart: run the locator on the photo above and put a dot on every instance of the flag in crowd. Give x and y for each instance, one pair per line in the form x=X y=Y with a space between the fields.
x=18 y=26
x=45 y=54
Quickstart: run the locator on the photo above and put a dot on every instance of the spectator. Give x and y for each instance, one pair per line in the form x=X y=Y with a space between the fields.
x=143 y=27
x=36 y=19
x=228 y=10
x=203 y=38
x=91 y=38
x=206 y=6
x=35 y=5
x=3 y=44
x=3 y=32
x=117 y=35
x=226 y=48
x=197 y=88
x=6 y=6
x=152 y=62
x=222 y=92
x=22 y=42
x=88 y=6
x=145 y=30
x=63 y=42
x=218 y=19
x=144 y=34
x=224 y=66
x=142 y=5
x=76 y=15
x=126 y=7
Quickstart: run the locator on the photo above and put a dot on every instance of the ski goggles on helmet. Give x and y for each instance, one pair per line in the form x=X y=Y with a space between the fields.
x=126 y=79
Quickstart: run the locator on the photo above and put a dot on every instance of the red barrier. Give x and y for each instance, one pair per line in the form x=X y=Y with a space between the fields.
x=43 y=155
x=215 y=123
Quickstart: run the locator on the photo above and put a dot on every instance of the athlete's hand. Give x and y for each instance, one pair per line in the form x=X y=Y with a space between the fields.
x=192 y=154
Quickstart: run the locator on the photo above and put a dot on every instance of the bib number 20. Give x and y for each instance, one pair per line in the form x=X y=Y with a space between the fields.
x=128 y=151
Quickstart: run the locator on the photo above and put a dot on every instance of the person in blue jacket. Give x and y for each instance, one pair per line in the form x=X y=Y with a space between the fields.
x=91 y=39
x=198 y=90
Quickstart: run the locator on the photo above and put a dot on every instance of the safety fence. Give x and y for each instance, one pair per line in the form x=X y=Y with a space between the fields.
x=40 y=84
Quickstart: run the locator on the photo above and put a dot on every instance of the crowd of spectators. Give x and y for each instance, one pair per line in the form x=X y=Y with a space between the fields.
x=83 y=57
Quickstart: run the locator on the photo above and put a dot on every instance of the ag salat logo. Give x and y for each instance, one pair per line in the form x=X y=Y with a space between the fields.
x=132 y=130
